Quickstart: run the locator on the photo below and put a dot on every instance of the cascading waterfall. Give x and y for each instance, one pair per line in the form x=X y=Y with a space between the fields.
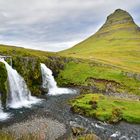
x=19 y=94
x=49 y=82
x=47 y=78
x=3 y=115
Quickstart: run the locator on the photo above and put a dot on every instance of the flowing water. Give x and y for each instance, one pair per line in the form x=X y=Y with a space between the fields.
x=50 y=83
x=3 y=115
x=19 y=95
x=56 y=107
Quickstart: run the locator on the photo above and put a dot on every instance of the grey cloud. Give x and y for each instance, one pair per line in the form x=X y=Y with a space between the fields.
x=55 y=24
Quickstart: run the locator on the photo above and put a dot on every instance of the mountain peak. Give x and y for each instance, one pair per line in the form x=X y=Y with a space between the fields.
x=118 y=19
x=119 y=15
x=120 y=11
x=116 y=42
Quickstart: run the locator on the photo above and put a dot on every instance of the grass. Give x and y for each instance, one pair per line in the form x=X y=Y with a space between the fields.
x=87 y=74
x=108 y=108
x=23 y=52
x=115 y=43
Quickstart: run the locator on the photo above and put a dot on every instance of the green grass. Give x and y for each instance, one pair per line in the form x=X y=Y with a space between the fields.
x=108 y=108
x=23 y=52
x=115 y=43
x=82 y=73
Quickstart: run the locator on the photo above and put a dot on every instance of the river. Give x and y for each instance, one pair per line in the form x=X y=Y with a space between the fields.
x=57 y=108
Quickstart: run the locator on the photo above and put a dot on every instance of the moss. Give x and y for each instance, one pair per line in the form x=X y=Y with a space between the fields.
x=107 y=109
x=29 y=69
x=56 y=64
x=117 y=115
x=3 y=82
x=88 y=137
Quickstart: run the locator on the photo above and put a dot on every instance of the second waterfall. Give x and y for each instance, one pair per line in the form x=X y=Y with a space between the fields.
x=49 y=82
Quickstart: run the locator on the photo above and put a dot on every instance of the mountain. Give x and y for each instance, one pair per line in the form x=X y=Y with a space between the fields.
x=117 y=43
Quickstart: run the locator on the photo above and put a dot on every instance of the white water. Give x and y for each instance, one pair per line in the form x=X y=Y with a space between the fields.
x=19 y=94
x=3 y=115
x=116 y=134
x=49 y=82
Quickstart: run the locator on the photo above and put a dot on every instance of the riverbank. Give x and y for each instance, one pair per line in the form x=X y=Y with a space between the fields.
x=57 y=108
x=107 y=108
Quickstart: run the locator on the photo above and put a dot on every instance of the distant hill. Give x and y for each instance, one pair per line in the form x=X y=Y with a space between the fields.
x=19 y=51
x=117 y=42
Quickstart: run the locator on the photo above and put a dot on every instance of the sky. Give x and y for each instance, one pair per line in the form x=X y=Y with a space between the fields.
x=55 y=25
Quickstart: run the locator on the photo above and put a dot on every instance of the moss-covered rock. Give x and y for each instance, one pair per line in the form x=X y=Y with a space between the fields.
x=56 y=63
x=86 y=137
x=3 y=83
x=108 y=108
x=29 y=69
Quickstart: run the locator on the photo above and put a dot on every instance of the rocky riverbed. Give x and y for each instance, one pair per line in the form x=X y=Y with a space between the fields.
x=55 y=118
x=40 y=128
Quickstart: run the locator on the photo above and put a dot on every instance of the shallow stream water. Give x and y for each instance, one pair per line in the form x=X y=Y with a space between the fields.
x=56 y=107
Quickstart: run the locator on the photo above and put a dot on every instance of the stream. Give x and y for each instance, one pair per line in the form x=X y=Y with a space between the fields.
x=57 y=108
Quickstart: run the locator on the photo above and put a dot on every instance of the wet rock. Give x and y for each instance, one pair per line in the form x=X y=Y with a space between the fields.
x=44 y=90
x=94 y=104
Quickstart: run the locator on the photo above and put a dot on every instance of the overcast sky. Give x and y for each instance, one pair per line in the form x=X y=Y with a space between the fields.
x=54 y=25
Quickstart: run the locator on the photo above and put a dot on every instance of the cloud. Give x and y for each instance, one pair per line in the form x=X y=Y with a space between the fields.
x=56 y=24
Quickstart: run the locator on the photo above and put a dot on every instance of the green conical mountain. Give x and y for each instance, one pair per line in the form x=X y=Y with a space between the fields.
x=117 y=42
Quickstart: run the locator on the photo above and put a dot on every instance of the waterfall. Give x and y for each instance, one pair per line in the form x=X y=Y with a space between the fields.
x=3 y=115
x=19 y=95
x=49 y=82
x=47 y=78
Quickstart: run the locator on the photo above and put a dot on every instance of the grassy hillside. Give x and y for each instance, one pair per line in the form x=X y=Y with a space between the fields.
x=117 y=43
x=103 y=78
x=19 y=51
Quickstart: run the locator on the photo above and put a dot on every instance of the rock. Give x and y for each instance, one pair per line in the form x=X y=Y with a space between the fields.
x=87 y=137
x=94 y=104
x=132 y=75
x=44 y=90
x=137 y=77
x=76 y=131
